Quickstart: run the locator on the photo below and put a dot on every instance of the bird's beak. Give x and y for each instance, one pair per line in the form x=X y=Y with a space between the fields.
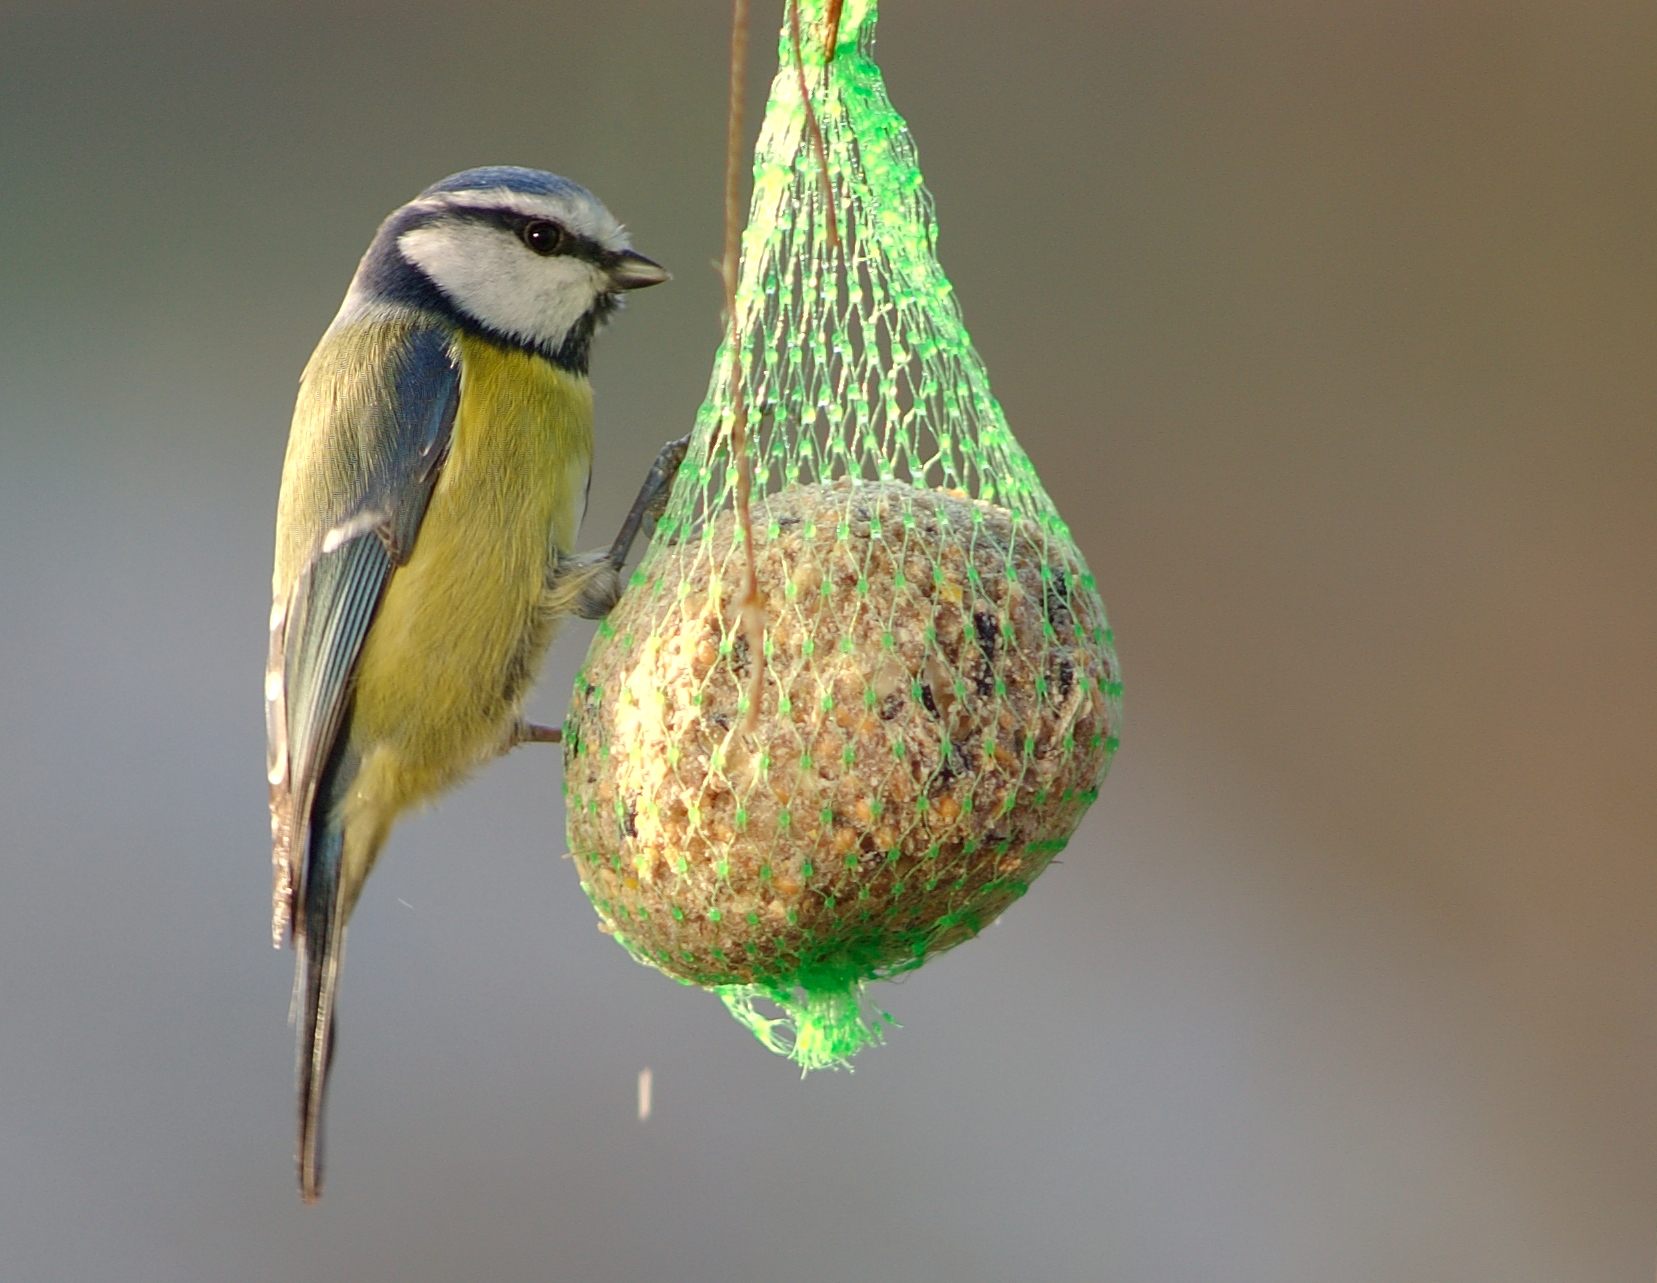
x=630 y=271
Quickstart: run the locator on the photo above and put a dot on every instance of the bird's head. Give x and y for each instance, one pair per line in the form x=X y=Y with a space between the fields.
x=524 y=255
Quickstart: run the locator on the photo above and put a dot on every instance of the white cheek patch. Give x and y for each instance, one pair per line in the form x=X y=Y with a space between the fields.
x=492 y=276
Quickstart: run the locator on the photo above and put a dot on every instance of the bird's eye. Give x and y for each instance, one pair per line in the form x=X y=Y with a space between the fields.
x=543 y=237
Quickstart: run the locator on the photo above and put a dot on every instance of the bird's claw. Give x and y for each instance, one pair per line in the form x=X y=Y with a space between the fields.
x=663 y=472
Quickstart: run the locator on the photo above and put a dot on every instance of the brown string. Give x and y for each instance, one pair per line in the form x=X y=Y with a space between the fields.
x=810 y=115
x=751 y=606
x=832 y=38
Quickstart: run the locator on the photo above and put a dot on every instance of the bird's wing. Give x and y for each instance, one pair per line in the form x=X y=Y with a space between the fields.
x=371 y=431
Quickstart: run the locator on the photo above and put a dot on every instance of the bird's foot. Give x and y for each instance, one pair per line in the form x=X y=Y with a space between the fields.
x=586 y=585
x=651 y=500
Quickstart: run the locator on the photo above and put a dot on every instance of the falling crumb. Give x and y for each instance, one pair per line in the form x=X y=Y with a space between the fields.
x=644 y=1095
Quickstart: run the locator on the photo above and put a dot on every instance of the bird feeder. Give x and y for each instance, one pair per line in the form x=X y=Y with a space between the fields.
x=867 y=765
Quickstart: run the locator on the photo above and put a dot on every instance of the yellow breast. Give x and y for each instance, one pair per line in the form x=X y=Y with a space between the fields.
x=459 y=637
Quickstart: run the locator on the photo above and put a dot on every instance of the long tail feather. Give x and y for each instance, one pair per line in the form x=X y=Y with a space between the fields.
x=321 y=946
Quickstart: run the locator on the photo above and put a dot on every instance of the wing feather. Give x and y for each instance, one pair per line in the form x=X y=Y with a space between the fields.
x=371 y=430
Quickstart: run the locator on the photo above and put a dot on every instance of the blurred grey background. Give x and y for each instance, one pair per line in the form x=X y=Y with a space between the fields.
x=1331 y=328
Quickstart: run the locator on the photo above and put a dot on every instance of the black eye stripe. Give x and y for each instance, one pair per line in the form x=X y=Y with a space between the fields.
x=514 y=223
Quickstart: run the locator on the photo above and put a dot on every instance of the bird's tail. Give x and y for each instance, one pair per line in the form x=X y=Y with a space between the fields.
x=320 y=941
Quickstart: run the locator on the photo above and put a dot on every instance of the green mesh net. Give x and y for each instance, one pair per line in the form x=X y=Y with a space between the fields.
x=938 y=694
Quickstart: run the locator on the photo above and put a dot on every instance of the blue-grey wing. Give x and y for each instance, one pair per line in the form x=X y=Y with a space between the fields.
x=371 y=431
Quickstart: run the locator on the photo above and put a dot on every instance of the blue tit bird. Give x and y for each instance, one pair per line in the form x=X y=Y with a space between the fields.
x=436 y=474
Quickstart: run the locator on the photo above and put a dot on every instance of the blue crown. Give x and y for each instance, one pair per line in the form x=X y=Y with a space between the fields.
x=515 y=178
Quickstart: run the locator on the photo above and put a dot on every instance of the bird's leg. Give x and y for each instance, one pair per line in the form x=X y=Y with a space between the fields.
x=651 y=501
x=588 y=585
x=527 y=732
